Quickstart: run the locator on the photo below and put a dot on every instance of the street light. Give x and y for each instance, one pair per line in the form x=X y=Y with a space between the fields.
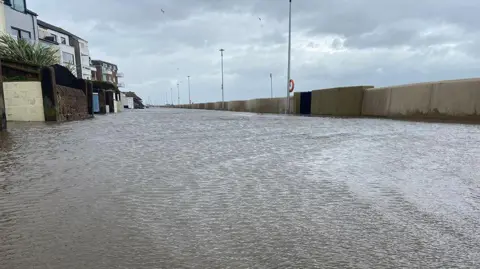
x=289 y=54
x=223 y=100
x=178 y=92
x=189 y=98
x=271 y=85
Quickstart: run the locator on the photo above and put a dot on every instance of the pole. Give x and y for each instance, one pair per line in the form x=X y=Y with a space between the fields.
x=166 y=98
x=171 y=95
x=178 y=93
x=223 y=100
x=271 y=85
x=289 y=54
x=189 y=98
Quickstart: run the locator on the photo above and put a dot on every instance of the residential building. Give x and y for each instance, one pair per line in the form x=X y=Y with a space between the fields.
x=55 y=36
x=105 y=71
x=73 y=50
x=20 y=22
x=82 y=55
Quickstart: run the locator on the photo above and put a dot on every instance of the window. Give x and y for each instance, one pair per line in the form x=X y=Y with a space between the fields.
x=67 y=58
x=55 y=38
x=64 y=41
x=18 y=5
x=82 y=45
x=21 y=34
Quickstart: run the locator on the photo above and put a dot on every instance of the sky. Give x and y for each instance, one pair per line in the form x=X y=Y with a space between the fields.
x=157 y=43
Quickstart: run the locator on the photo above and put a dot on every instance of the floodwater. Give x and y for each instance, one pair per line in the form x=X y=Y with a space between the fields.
x=163 y=188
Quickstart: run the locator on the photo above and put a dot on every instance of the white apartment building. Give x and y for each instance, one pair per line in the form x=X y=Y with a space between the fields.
x=85 y=66
x=73 y=50
x=51 y=35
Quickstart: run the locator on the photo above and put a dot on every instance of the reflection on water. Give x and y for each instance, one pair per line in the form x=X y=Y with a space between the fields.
x=203 y=189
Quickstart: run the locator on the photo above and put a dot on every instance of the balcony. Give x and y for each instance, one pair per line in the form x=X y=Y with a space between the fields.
x=106 y=71
x=119 y=75
x=121 y=85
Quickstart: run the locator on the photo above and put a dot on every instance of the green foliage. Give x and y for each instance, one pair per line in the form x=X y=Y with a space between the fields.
x=23 y=51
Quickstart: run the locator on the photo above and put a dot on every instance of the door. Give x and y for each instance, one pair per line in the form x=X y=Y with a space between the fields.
x=96 y=103
x=305 y=103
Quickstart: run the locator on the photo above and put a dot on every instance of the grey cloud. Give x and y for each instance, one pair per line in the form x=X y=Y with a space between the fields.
x=363 y=36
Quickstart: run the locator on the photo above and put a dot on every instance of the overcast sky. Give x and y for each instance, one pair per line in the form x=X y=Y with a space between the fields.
x=334 y=42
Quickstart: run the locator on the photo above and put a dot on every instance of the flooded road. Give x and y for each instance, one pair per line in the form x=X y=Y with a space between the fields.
x=207 y=189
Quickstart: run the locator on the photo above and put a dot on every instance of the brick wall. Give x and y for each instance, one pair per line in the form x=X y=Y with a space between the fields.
x=72 y=104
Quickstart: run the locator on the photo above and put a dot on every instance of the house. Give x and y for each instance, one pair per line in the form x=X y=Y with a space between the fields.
x=127 y=101
x=137 y=101
x=54 y=36
x=20 y=22
x=108 y=72
x=105 y=71
x=73 y=50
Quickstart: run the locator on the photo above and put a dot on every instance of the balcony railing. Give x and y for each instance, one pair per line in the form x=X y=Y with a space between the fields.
x=119 y=74
x=121 y=85
x=106 y=71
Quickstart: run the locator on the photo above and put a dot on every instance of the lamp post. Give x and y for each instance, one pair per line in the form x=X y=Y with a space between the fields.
x=178 y=93
x=271 y=85
x=189 y=98
x=171 y=95
x=289 y=54
x=223 y=100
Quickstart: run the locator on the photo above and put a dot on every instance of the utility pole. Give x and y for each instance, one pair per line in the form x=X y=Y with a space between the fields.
x=271 y=85
x=289 y=55
x=189 y=98
x=178 y=93
x=223 y=98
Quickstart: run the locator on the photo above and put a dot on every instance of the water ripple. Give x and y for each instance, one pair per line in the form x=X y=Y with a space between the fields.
x=202 y=189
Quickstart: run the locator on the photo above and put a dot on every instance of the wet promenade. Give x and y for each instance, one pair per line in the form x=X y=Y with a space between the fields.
x=163 y=188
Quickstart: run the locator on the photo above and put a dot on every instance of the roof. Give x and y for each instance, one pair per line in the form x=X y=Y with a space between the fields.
x=132 y=94
x=100 y=61
x=31 y=12
x=56 y=29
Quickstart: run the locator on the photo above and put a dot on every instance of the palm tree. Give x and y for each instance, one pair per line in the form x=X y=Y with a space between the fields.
x=23 y=51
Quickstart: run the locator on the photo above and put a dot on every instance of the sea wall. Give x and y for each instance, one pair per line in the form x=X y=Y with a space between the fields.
x=453 y=99
x=443 y=99
x=343 y=101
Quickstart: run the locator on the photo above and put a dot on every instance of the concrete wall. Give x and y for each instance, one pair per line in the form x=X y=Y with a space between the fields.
x=454 y=98
x=24 y=101
x=239 y=106
x=376 y=102
x=444 y=99
x=296 y=102
x=210 y=106
x=218 y=105
x=344 y=101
